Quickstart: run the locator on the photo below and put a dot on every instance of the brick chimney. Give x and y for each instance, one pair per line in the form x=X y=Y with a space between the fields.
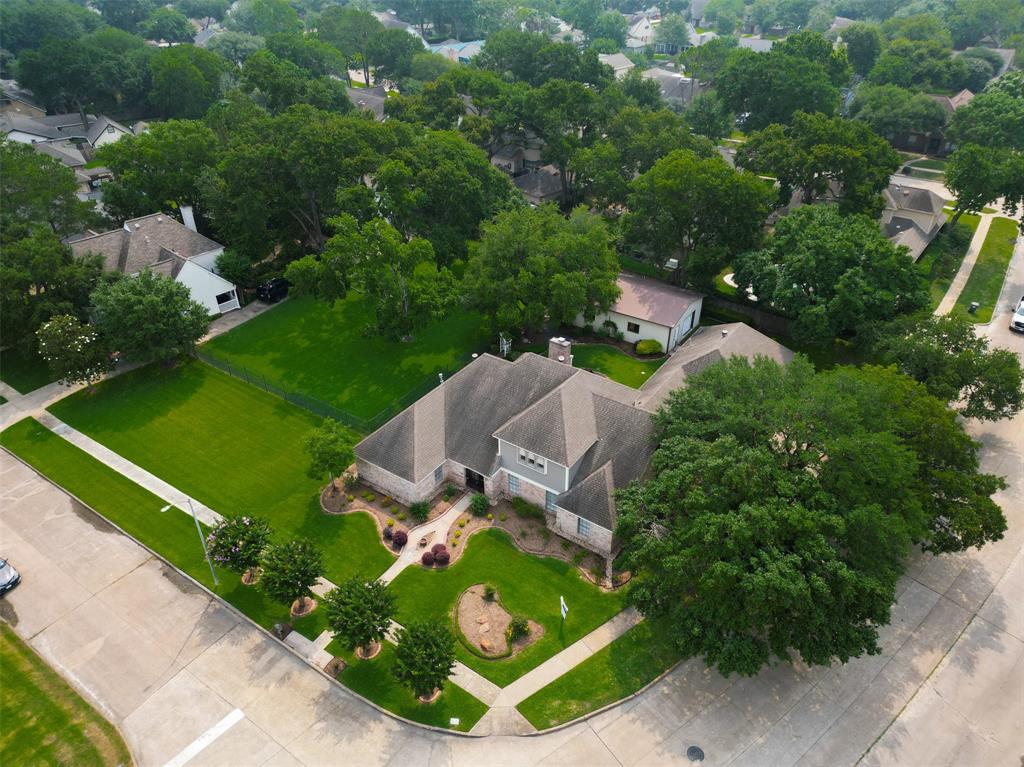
x=560 y=350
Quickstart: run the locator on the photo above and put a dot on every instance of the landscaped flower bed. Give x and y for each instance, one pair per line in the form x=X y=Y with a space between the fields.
x=386 y=511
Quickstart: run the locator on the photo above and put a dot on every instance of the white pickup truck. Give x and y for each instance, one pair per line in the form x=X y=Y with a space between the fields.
x=1017 y=320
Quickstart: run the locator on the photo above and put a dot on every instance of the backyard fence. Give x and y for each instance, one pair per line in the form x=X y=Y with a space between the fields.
x=326 y=410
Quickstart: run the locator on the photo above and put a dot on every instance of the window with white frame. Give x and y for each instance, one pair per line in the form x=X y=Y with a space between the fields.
x=549 y=501
x=439 y=474
x=582 y=527
x=533 y=460
x=513 y=484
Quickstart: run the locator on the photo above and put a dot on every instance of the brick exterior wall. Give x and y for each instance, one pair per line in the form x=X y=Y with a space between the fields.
x=400 y=489
x=600 y=539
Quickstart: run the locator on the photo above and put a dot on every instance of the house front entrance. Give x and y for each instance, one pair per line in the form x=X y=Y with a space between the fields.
x=474 y=480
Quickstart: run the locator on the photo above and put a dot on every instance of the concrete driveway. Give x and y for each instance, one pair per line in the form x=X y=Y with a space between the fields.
x=190 y=682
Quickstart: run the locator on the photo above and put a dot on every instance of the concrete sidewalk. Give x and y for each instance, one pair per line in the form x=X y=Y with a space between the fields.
x=435 y=531
x=963 y=274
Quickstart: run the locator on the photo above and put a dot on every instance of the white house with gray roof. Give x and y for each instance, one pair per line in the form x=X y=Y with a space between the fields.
x=159 y=244
x=561 y=438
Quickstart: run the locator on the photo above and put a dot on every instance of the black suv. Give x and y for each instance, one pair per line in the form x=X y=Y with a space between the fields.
x=272 y=291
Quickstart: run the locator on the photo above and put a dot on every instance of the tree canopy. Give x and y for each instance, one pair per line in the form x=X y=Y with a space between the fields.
x=532 y=264
x=833 y=273
x=890 y=110
x=782 y=504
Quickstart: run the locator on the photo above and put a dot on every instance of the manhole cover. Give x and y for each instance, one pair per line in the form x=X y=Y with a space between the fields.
x=695 y=754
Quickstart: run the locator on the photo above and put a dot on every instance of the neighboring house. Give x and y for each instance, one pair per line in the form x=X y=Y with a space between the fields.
x=620 y=63
x=390 y=20
x=651 y=309
x=541 y=185
x=29 y=130
x=160 y=244
x=839 y=23
x=933 y=143
x=458 y=52
x=640 y=34
x=561 y=438
x=511 y=159
x=697 y=9
x=370 y=99
x=699 y=38
x=912 y=217
x=20 y=106
x=677 y=89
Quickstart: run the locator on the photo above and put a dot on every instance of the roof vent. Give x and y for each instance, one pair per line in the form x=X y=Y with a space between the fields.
x=159 y=219
x=138 y=226
x=725 y=333
x=906 y=193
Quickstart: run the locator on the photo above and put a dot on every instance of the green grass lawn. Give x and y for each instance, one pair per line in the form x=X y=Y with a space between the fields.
x=615 y=363
x=23 y=372
x=930 y=164
x=526 y=584
x=45 y=722
x=646 y=268
x=931 y=175
x=375 y=680
x=942 y=258
x=321 y=351
x=724 y=288
x=989 y=271
x=613 y=672
x=230 y=445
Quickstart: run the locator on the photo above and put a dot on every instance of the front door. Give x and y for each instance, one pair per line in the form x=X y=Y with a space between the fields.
x=474 y=480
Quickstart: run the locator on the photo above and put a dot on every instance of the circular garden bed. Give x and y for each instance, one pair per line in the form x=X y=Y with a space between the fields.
x=484 y=625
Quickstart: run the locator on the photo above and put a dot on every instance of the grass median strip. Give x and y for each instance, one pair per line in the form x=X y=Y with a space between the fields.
x=230 y=445
x=989 y=272
x=44 y=720
x=619 y=669
x=527 y=585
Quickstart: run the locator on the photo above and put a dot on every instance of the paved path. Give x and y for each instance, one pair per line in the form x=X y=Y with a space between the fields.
x=435 y=531
x=964 y=272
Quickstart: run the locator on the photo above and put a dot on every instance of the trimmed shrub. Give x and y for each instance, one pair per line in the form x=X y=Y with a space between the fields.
x=518 y=628
x=400 y=538
x=427 y=559
x=462 y=523
x=502 y=517
x=527 y=510
x=449 y=491
x=490 y=517
x=442 y=558
x=400 y=515
x=385 y=501
x=649 y=346
x=437 y=547
x=457 y=534
x=479 y=505
x=490 y=592
x=388 y=533
x=391 y=523
x=420 y=511
x=351 y=498
x=349 y=481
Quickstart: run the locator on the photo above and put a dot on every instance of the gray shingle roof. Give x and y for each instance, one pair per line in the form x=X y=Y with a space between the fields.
x=143 y=243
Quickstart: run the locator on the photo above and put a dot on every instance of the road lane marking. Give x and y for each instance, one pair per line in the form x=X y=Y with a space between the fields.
x=194 y=748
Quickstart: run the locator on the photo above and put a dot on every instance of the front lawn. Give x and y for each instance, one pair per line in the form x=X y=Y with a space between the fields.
x=526 y=585
x=613 y=672
x=44 y=720
x=374 y=680
x=989 y=272
x=615 y=364
x=230 y=445
x=24 y=372
x=942 y=258
x=313 y=348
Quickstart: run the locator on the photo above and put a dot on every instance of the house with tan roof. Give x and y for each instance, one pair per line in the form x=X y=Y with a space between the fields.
x=160 y=244
x=560 y=437
x=649 y=309
x=912 y=217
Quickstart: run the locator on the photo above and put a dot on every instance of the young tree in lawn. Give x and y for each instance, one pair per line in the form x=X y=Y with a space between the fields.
x=73 y=351
x=534 y=265
x=359 y=613
x=329 y=447
x=149 y=317
x=424 y=657
x=238 y=543
x=834 y=273
x=956 y=365
x=788 y=500
x=673 y=30
x=290 y=570
x=697 y=210
x=816 y=151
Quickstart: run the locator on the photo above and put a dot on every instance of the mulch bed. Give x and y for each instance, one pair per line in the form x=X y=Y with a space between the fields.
x=484 y=625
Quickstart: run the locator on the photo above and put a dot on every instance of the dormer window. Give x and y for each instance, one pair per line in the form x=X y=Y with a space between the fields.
x=533 y=460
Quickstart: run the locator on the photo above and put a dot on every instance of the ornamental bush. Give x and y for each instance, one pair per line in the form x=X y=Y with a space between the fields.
x=489 y=592
x=427 y=559
x=527 y=510
x=518 y=628
x=238 y=542
x=290 y=570
x=424 y=657
x=442 y=558
x=388 y=532
x=360 y=612
x=420 y=511
x=649 y=346
x=479 y=505
x=400 y=538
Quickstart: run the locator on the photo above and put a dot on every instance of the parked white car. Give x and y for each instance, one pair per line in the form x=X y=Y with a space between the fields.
x=1017 y=320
